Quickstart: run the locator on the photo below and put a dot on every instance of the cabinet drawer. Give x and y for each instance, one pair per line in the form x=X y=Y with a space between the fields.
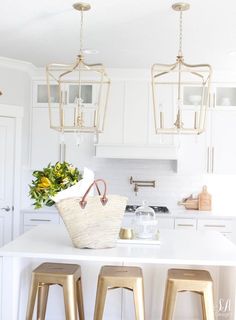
x=164 y=223
x=40 y=218
x=185 y=224
x=215 y=225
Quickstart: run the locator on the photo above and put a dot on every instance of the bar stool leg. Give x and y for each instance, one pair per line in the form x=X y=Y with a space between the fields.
x=169 y=301
x=42 y=300
x=32 y=297
x=208 y=303
x=70 y=299
x=100 y=300
x=139 y=300
x=80 y=299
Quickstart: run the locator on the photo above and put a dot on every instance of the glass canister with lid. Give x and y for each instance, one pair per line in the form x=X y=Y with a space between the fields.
x=145 y=222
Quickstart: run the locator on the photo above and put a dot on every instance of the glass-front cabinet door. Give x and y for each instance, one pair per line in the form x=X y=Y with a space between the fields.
x=224 y=96
x=70 y=94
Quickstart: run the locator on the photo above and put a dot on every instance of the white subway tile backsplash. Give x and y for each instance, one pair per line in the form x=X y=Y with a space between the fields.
x=170 y=186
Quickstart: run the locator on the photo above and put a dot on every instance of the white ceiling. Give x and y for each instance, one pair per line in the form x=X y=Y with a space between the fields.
x=128 y=34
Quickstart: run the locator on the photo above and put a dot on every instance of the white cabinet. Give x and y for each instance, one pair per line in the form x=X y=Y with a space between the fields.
x=129 y=128
x=165 y=223
x=224 y=96
x=48 y=145
x=114 y=122
x=223 y=148
x=32 y=219
x=224 y=226
x=136 y=113
x=45 y=144
x=211 y=151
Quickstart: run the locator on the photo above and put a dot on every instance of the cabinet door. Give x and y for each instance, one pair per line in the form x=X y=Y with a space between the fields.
x=224 y=97
x=165 y=223
x=40 y=94
x=136 y=112
x=114 y=121
x=193 y=155
x=224 y=226
x=165 y=99
x=223 y=152
x=44 y=141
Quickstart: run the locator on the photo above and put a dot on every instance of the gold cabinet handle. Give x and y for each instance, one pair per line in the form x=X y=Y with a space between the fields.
x=208 y=160
x=45 y=220
x=214 y=225
x=212 y=159
x=60 y=148
x=64 y=152
x=65 y=97
x=185 y=225
x=214 y=100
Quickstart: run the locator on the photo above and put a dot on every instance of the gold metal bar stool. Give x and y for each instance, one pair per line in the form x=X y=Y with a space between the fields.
x=66 y=275
x=198 y=281
x=113 y=277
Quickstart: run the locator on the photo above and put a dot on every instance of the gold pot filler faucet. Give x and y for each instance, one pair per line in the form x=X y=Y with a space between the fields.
x=142 y=183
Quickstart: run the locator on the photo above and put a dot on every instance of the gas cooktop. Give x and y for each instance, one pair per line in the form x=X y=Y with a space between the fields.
x=157 y=209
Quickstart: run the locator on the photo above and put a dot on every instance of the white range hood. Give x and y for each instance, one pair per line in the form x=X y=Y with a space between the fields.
x=126 y=151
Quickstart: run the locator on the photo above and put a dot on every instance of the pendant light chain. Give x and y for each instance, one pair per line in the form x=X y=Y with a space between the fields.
x=180 y=32
x=81 y=31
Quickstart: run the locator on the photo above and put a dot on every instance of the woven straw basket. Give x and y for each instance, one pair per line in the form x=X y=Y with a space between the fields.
x=93 y=222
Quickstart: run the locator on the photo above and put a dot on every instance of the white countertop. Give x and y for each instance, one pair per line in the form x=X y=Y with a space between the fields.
x=178 y=247
x=175 y=212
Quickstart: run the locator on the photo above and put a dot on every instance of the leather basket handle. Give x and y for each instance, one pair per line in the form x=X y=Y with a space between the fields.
x=103 y=198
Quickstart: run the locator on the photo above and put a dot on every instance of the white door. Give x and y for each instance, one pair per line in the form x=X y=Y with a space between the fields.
x=7 y=140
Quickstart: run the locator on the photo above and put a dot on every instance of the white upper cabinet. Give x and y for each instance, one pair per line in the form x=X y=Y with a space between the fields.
x=114 y=122
x=45 y=146
x=223 y=146
x=129 y=129
x=165 y=98
x=136 y=113
x=224 y=96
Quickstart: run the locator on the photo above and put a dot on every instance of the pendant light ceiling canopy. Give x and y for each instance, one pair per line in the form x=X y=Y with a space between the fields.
x=177 y=86
x=77 y=93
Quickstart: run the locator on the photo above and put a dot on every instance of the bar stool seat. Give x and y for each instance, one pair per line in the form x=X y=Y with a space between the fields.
x=66 y=275
x=113 y=277
x=198 y=281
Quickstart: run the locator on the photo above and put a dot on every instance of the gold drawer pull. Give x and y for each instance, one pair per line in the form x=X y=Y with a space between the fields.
x=215 y=225
x=185 y=225
x=46 y=220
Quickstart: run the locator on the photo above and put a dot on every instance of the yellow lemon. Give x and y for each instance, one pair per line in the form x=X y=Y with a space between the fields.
x=44 y=183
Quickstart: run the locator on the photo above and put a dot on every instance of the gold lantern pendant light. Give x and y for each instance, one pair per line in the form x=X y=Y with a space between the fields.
x=77 y=93
x=180 y=92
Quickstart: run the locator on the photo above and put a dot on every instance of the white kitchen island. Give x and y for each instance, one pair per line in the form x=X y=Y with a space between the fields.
x=181 y=248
